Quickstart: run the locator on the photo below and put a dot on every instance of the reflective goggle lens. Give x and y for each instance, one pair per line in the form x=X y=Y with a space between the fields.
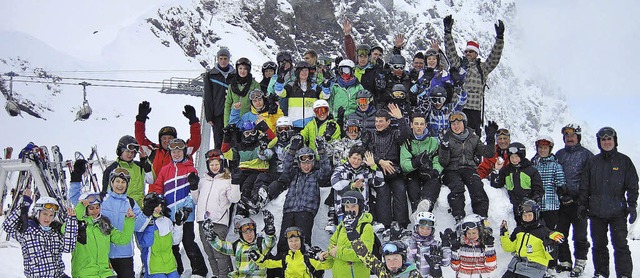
x=389 y=249
x=213 y=154
x=94 y=199
x=543 y=143
x=397 y=67
x=177 y=146
x=283 y=128
x=353 y=129
x=121 y=172
x=363 y=101
x=133 y=147
x=363 y=52
x=568 y=131
x=345 y=70
x=469 y=225
x=283 y=58
x=49 y=206
x=398 y=94
x=606 y=133
x=248 y=133
x=321 y=110
x=247 y=228
x=513 y=150
x=438 y=99
x=326 y=62
x=306 y=158
x=456 y=117
x=426 y=222
x=503 y=131
x=256 y=95
x=294 y=233
x=349 y=200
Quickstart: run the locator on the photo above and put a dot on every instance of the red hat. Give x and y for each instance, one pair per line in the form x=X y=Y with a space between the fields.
x=472 y=45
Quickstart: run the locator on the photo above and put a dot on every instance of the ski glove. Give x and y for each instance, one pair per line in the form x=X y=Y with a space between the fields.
x=489 y=240
x=444 y=237
x=263 y=140
x=228 y=133
x=330 y=129
x=296 y=143
x=272 y=101
x=210 y=234
x=499 y=29
x=190 y=113
x=453 y=239
x=448 y=24
x=633 y=214
x=434 y=261
x=143 y=111
x=79 y=167
x=193 y=180
x=252 y=254
x=182 y=215
x=321 y=145
x=490 y=130
x=149 y=205
x=269 y=227
x=340 y=119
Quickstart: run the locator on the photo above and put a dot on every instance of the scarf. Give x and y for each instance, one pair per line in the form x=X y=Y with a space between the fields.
x=235 y=85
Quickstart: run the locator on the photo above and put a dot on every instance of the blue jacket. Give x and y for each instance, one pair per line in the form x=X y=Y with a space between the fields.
x=573 y=160
x=552 y=179
x=114 y=207
x=304 y=188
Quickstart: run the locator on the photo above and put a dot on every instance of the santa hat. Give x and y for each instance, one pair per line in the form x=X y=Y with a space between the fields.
x=472 y=45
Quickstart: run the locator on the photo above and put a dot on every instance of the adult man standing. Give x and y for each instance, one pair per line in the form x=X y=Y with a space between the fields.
x=573 y=158
x=216 y=82
x=607 y=178
x=477 y=71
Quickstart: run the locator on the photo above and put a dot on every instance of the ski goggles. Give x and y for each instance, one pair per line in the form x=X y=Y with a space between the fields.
x=456 y=118
x=398 y=95
x=345 y=70
x=321 y=110
x=133 y=147
x=213 y=154
x=306 y=158
x=438 y=99
x=389 y=249
x=248 y=133
x=256 y=95
x=349 y=200
x=363 y=101
x=397 y=67
x=283 y=58
x=293 y=233
x=152 y=195
x=48 y=206
x=503 y=131
x=247 y=228
x=269 y=66
x=364 y=52
x=569 y=131
x=177 y=145
x=426 y=222
x=543 y=143
x=281 y=129
x=353 y=129
x=430 y=52
x=94 y=198
x=606 y=133
x=468 y=225
x=120 y=172
x=512 y=150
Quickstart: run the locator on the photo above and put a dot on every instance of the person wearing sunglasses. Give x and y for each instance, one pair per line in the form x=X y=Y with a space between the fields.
x=238 y=92
x=573 y=158
x=608 y=196
x=532 y=243
x=216 y=82
x=428 y=254
x=42 y=237
x=160 y=152
x=264 y=112
x=174 y=182
x=214 y=196
x=95 y=234
x=500 y=158
x=477 y=71
x=300 y=94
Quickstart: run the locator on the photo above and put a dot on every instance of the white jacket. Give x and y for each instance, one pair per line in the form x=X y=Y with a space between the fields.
x=215 y=195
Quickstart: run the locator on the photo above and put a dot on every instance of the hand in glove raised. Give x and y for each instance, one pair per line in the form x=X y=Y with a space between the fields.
x=143 y=111
x=330 y=129
x=499 y=29
x=182 y=214
x=448 y=23
x=79 y=167
x=190 y=113
x=296 y=143
x=269 y=227
x=490 y=130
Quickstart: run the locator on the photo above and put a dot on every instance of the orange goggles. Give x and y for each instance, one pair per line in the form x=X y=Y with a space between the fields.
x=294 y=233
x=49 y=206
x=353 y=129
x=456 y=117
x=321 y=110
x=285 y=128
x=247 y=228
x=363 y=101
x=213 y=154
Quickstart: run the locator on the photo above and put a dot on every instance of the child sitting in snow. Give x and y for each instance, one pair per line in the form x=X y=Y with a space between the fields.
x=424 y=250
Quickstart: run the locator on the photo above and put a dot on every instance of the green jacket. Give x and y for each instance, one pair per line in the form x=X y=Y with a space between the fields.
x=414 y=147
x=92 y=259
x=344 y=97
x=232 y=98
x=295 y=266
x=378 y=267
x=311 y=131
x=346 y=260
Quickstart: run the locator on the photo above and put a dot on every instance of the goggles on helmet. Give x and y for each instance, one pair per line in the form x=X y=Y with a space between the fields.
x=121 y=172
x=256 y=95
x=269 y=66
x=606 y=133
x=48 y=206
x=568 y=131
x=397 y=67
x=456 y=117
x=213 y=154
x=306 y=158
x=293 y=233
x=133 y=147
x=345 y=70
x=326 y=62
x=543 y=143
x=353 y=129
x=512 y=150
x=94 y=198
x=430 y=52
x=503 y=131
x=281 y=129
x=438 y=99
x=389 y=249
x=321 y=110
x=177 y=145
x=348 y=200
x=426 y=222
x=398 y=95
x=153 y=195
x=248 y=133
x=246 y=228
x=468 y=225
x=283 y=57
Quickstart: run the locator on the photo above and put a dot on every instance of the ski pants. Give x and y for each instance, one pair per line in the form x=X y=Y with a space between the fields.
x=216 y=129
x=391 y=202
x=302 y=220
x=419 y=188
x=247 y=180
x=474 y=120
x=456 y=180
x=123 y=267
x=198 y=266
x=600 y=252
x=275 y=187
x=220 y=263
x=550 y=218
x=567 y=217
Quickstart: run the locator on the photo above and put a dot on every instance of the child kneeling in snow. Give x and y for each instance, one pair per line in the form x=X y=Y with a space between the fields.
x=424 y=250
x=41 y=237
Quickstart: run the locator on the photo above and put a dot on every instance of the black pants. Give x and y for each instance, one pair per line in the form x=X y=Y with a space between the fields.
x=419 y=188
x=510 y=274
x=391 y=202
x=550 y=218
x=474 y=120
x=123 y=267
x=198 y=266
x=247 y=181
x=216 y=129
x=456 y=180
x=568 y=217
x=275 y=188
x=302 y=220
x=621 y=253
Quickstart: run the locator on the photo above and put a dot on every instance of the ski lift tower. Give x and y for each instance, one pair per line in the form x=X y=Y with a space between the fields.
x=192 y=87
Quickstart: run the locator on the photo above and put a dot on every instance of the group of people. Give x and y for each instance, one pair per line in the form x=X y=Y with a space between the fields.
x=384 y=139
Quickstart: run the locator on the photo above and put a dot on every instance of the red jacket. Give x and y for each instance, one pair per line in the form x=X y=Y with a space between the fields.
x=487 y=164
x=162 y=156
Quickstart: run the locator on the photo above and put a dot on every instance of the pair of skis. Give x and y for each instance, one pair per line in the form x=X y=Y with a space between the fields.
x=90 y=181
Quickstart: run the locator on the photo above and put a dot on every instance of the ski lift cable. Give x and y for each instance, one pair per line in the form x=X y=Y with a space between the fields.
x=96 y=85
x=98 y=79
x=124 y=70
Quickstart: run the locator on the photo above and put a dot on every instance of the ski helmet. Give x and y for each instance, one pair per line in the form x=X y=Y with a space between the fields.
x=544 y=140
x=284 y=128
x=363 y=49
x=93 y=198
x=346 y=63
x=306 y=154
x=167 y=130
x=353 y=125
x=318 y=104
x=283 y=121
x=293 y=231
x=438 y=95
x=243 y=225
x=395 y=247
x=398 y=91
x=572 y=129
x=458 y=116
x=270 y=65
x=517 y=148
x=397 y=60
x=283 y=56
x=215 y=154
x=127 y=142
x=249 y=133
x=529 y=205
x=432 y=52
x=426 y=218
x=364 y=93
x=607 y=132
x=244 y=61
x=119 y=172
x=45 y=203
x=249 y=125
x=304 y=65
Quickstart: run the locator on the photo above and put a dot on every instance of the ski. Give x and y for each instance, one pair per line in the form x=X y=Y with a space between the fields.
x=37 y=155
x=89 y=179
x=61 y=175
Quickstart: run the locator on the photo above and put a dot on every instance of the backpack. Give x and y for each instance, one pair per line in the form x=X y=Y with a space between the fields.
x=312 y=270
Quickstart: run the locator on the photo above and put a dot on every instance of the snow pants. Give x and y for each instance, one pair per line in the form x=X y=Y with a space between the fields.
x=567 y=217
x=600 y=252
x=302 y=220
x=419 y=188
x=550 y=218
x=220 y=263
x=123 y=267
x=216 y=129
x=456 y=180
x=198 y=266
x=391 y=202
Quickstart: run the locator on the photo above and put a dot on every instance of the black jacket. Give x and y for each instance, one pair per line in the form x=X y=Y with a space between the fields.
x=386 y=143
x=522 y=181
x=573 y=160
x=464 y=153
x=215 y=91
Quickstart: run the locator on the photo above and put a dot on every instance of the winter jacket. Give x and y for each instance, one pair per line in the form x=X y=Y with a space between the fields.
x=91 y=258
x=390 y=79
x=156 y=241
x=414 y=147
x=245 y=267
x=137 y=172
x=464 y=150
x=300 y=109
x=377 y=267
x=488 y=163
x=214 y=196
x=232 y=98
x=438 y=119
x=522 y=181
x=115 y=207
x=419 y=246
x=474 y=83
x=386 y=143
x=250 y=157
x=216 y=83
x=162 y=157
x=341 y=96
x=368 y=74
x=606 y=179
x=537 y=236
x=423 y=87
x=304 y=188
x=42 y=250
x=252 y=116
x=573 y=160
x=312 y=130
x=172 y=183
x=288 y=78
x=473 y=259
x=344 y=176
x=346 y=261
x=295 y=267
x=552 y=179
x=367 y=118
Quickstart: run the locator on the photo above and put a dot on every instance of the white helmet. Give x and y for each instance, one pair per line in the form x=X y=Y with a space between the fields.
x=544 y=137
x=283 y=121
x=426 y=218
x=45 y=203
x=321 y=102
x=346 y=63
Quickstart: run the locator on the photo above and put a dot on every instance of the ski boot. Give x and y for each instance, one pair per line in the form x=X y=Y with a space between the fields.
x=551 y=273
x=563 y=266
x=378 y=227
x=263 y=198
x=331 y=223
x=578 y=268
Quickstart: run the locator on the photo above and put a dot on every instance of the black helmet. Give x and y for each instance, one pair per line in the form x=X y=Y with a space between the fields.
x=517 y=148
x=397 y=60
x=395 y=91
x=283 y=56
x=438 y=95
x=364 y=47
x=607 y=132
x=269 y=65
x=572 y=129
x=244 y=61
x=395 y=247
x=353 y=197
x=529 y=205
x=364 y=93
x=127 y=142
x=303 y=65
x=167 y=130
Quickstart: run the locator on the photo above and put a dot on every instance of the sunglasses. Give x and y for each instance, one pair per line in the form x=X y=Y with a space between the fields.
x=456 y=118
x=213 y=154
x=363 y=101
x=349 y=200
x=468 y=225
x=177 y=145
x=397 y=67
x=321 y=110
x=425 y=222
x=281 y=129
x=256 y=95
x=247 y=228
x=49 y=206
x=294 y=233
x=248 y=133
x=362 y=52
x=133 y=147
x=389 y=249
x=503 y=131
x=438 y=99
x=353 y=129
x=606 y=133
x=306 y=158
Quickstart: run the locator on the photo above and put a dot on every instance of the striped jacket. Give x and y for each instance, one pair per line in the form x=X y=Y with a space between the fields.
x=345 y=175
x=473 y=259
x=245 y=267
x=473 y=82
x=172 y=183
x=552 y=179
